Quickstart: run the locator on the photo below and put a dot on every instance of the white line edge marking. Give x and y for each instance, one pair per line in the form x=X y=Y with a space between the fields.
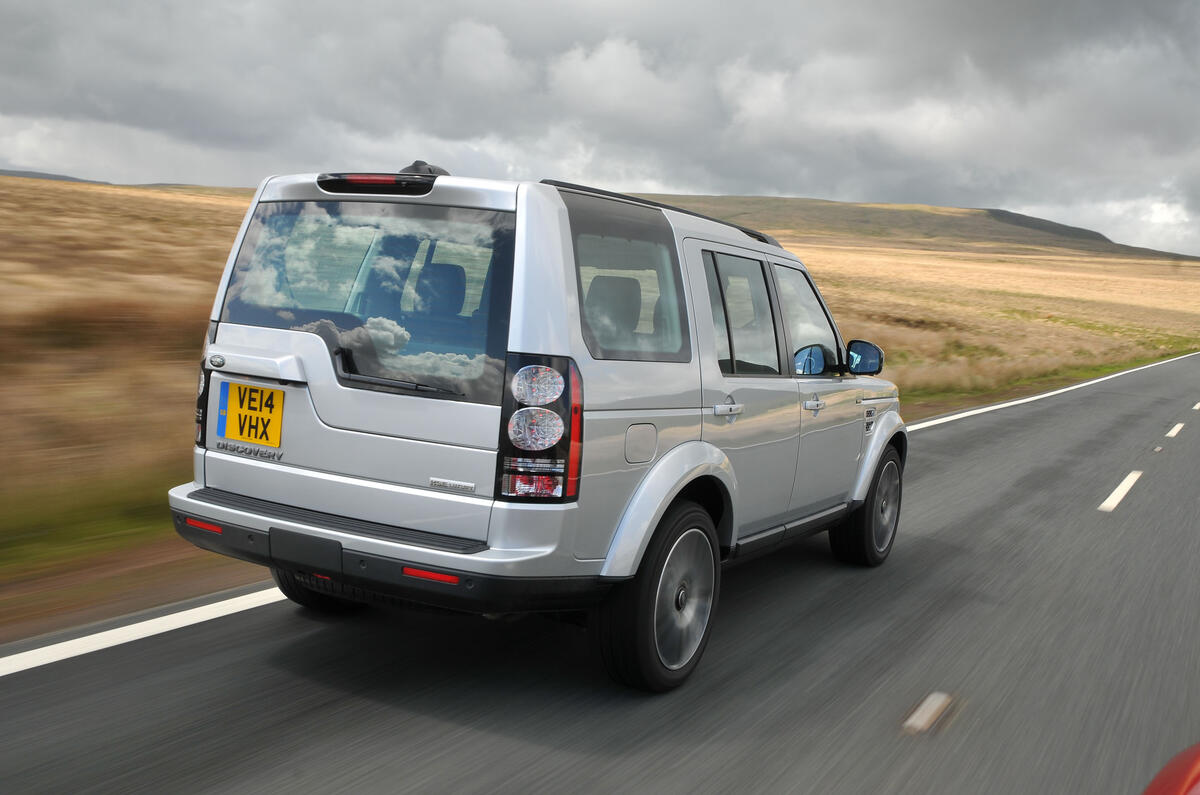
x=155 y=626
x=142 y=629
x=1119 y=492
x=985 y=409
x=1171 y=434
x=927 y=714
x=1196 y=407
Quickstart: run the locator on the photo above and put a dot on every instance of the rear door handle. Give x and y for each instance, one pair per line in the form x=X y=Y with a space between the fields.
x=814 y=405
x=726 y=409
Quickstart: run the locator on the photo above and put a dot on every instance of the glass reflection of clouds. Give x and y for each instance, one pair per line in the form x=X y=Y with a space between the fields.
x=351 y=272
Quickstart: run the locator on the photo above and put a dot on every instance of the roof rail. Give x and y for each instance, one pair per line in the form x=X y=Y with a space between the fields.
x=762 y=237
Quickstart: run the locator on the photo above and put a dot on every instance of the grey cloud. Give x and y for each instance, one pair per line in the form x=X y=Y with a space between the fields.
x=1086 y=108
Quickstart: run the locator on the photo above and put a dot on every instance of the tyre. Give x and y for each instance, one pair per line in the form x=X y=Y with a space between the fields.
x=652 y=630
x=866 y=536
x=307 y=597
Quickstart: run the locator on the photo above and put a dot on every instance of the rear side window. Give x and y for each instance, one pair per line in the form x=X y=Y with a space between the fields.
x=630 y=287
x=411 y=298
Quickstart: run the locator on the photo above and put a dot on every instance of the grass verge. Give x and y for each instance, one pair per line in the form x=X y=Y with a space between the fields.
x=63 y=527
x=918 y=404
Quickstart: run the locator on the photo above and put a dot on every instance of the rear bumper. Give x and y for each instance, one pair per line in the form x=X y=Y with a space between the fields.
x=369 y=568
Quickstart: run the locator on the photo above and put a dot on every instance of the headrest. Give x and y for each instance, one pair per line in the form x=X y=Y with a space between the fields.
x=613 y=306
x=660 y=316
x=441 y=288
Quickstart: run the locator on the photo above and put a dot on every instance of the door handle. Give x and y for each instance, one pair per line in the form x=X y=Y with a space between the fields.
x=726 y=409
x=815 y=404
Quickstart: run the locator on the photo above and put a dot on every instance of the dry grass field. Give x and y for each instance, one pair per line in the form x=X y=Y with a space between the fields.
x=107 y=290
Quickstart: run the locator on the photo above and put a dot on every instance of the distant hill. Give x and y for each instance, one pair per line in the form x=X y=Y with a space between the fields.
x=42 y=175
x=914 y=225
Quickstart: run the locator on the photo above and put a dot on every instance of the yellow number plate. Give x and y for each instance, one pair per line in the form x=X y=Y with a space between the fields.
x=250 y=414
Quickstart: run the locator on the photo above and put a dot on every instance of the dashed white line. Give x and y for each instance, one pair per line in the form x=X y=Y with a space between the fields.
x=927 y=713
x=1171 y=434
x=1119 y=492
x=1196 y=407
x=143 y=629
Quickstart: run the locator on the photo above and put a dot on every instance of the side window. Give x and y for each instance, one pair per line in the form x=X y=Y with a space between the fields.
x=630 y=286
x=744 y=326
x=814 y=343
x=720 y=327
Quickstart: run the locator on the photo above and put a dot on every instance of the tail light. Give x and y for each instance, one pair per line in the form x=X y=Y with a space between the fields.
x=202 y=386
x=541 y=430
x=201 y=405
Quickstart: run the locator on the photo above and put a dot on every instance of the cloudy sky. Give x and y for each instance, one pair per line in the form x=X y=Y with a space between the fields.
x=1083 y=111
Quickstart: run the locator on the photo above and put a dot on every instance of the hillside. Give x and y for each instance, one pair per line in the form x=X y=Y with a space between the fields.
x=923 y=226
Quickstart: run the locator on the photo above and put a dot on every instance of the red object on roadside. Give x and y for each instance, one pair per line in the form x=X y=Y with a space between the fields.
x=1180 y=776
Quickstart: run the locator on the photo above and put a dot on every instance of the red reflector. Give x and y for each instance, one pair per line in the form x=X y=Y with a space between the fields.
x=371 y=179
x=212 y=528
x=436 y=576
x=319 y=576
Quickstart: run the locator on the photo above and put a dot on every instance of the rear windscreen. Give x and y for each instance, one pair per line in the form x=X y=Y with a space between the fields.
x=411 y=298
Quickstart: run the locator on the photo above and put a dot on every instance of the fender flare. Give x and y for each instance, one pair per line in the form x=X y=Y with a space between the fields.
x=658 y=489
x=887 y=426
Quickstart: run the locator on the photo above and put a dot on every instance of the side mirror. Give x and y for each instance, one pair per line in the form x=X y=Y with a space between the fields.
x=865 y=358
x=810 y=360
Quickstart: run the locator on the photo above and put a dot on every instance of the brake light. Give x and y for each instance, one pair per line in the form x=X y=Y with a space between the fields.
x=541 y=430
x=388 y=184
x=371 y=179
x=575 y=451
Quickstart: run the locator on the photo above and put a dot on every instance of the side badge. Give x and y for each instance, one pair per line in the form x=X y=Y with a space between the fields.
x=453 y=485
x=216 y=360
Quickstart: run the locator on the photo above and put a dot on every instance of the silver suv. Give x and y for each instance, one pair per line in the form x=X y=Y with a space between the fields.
x=514 y=396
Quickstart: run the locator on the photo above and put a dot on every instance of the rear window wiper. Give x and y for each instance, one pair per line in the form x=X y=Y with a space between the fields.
x=343 y=359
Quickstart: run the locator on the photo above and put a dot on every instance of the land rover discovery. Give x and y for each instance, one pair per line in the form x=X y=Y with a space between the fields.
x=528 y=396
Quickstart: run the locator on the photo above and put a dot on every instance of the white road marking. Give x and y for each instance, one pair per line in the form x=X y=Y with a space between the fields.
x=1158 y=449
x=143 y=629
x=1119 y=492
x=927 y=714
x=1196 y=407
x=985 y=409
x=1171 y=434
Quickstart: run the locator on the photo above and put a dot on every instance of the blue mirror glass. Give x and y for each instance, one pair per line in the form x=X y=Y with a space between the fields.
x=810 y=360
x=865 y=357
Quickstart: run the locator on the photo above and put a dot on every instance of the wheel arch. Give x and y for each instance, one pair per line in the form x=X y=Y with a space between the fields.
x=899 y=440
x=710 y=493
x=696 y=471
x=889 y=432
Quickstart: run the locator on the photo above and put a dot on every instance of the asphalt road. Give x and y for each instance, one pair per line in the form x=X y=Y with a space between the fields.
x=1067 y=636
